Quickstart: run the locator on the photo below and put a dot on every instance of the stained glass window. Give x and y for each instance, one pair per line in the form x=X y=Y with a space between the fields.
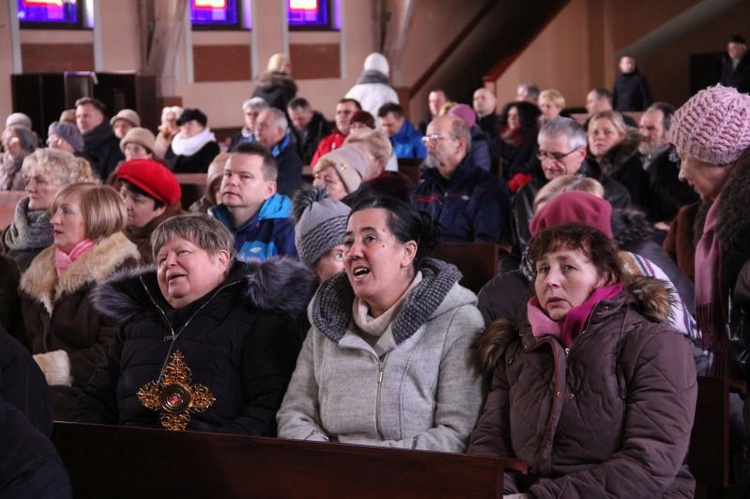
x=310 y=14
x=216 y=14
x=50 y=13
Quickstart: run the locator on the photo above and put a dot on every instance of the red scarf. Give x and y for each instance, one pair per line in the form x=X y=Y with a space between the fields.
x=575 y=321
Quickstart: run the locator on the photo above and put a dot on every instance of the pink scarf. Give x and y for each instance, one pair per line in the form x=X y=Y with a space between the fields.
x=710 y=297
x=63 y=260
x=575 y=321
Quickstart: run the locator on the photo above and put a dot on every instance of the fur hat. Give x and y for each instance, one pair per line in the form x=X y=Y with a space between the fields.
x=737 y=38
x=349 y=162
x=139 y=136
x=363 y=117
x=713 y=126
x=574 y=206
x=321 y=224
x=192 y=115
x=466 y=113
x=377 y=62
x=19 y=119
x=153 y=178
x=128 y=115
x=69 y=133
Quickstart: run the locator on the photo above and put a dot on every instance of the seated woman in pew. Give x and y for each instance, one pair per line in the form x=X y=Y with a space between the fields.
x=151 y=194
x=585 y=393
x=578 y=199
x=68 y=337
x=389 y=358
x=47 y=171
x=205 y=342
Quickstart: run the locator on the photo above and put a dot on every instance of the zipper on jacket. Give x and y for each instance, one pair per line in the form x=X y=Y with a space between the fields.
x=381 y=368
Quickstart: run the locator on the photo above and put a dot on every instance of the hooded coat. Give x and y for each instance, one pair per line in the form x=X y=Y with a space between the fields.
x=101 y=145
x=276 y=88
x=424 y=392
x=240 y=341
x=67 y=335
x=372 y=91
x=611 y=416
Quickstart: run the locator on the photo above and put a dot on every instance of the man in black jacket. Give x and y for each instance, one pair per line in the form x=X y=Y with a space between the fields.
x=736 y=72
x=310 y=127
x=100 y=143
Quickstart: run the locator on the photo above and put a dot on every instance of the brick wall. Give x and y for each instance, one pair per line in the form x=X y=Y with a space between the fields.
x=221 y=63
x=57 y=58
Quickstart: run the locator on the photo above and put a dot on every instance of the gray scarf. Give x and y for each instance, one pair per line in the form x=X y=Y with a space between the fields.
x=30 y=229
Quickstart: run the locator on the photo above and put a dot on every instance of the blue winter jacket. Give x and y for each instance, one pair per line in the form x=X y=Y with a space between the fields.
x=270 y=232
x=471 y=206
x=407 y=143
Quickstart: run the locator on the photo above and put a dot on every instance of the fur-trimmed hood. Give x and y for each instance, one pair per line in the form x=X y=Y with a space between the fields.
x=630 y=227
x=621 y=153
x=276 y=79
x=647 y=295
x=281 y=284
x=40 y=281
x=331 y=310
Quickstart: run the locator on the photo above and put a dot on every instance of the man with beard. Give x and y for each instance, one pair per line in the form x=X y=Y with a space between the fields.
x=468 y=203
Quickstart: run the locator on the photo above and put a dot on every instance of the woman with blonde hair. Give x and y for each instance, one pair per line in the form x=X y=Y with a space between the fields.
x=47 y=171
x=379 y=179
x=167 y=130
x=68 y=337
x=551 y=102
x=613 y=151
x=276 y=86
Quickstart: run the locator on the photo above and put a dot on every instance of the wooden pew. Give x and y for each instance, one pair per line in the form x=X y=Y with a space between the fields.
x=477 y=261
x=8 y=202
x=709 y=456
x=410 y=168
x=193 y=186
x=108 y=461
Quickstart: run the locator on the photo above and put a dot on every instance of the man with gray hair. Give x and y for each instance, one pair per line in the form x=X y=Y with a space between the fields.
x=562 y=151
x=251 y=108
x=467 y=202
x=272 y=131
x=527 y=92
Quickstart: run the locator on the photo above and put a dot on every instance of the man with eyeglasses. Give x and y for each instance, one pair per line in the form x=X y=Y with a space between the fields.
x=344 y=111
x=467 y=202
x=562 y=151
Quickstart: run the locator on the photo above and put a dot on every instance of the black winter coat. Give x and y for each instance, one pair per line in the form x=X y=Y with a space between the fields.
x=240 y=341
x=631 y=92
x=197 y=163
x=103 y=149
x=29 y=465
x=738 y=78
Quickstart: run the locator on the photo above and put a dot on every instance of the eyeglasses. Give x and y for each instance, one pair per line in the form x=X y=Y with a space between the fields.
x=554 y=156
x=433 y=139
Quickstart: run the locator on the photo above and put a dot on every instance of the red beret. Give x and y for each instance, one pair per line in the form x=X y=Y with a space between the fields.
x=574 y=206
x=362 y=117
x=153 y=178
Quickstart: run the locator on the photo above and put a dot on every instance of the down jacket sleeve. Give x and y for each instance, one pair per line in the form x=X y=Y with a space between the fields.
x=662 y=391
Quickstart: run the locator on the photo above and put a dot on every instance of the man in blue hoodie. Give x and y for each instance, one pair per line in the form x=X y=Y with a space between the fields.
x=257 y=216
x=406 y=140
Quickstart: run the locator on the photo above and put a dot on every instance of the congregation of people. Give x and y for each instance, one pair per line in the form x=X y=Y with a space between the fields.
x=319 y=310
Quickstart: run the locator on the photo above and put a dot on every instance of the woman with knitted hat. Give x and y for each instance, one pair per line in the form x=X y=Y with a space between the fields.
x=595 y=392
x=151 y=194
x=65 y=137
x=711 y=132
x=340 y=171
x=18 y=142
x=47 y=171
x=319 y=232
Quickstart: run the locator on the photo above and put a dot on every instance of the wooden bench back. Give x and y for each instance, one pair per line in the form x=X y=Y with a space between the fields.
x=107 y=461
x=477 y=261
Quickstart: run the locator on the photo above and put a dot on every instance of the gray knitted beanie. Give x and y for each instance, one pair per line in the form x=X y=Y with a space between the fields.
x=321 y=223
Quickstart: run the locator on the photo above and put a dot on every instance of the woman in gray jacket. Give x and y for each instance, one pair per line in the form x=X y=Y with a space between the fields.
x=388 y=360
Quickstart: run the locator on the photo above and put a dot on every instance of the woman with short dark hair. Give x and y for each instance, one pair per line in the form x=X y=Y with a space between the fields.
x=205 y=343
x=388 y=360
x=585 y=393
